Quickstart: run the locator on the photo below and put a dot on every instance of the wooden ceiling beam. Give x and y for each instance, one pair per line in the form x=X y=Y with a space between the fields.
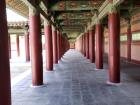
x=42 y=12
x=78 y=5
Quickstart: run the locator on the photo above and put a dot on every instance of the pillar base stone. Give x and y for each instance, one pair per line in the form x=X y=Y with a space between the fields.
x=98 y=69
x=48 y=71
x=39 y=86
x=113 y=84
x=59 y=61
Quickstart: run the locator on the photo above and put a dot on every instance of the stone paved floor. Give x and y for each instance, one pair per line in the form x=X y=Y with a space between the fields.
x=75 y=82
x=18 y=66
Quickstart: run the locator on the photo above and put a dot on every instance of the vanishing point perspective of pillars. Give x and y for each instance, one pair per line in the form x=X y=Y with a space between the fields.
x=55 y=44
x=96 y=44
x=36 y=51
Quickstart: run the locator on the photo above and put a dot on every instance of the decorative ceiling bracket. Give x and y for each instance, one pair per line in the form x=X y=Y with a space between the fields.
x=104 y=10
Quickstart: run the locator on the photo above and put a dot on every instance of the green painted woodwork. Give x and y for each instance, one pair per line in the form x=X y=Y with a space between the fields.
x=76 y=5
x=76 y=16
x=80 y=15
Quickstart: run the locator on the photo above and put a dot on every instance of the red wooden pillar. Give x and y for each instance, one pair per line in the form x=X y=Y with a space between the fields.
x=63 y=45
x=83 y=43
x=36 y=47
x=99 y=46
x=58 y=44
x=129 y=40
x=5 y=86
x=61 y=48
x=87 y=44
x=49 y=46
x=9 y=39
x=114 y=47
x=92 y=45
x=27 y=47
x=54 y=39
x=18 y=46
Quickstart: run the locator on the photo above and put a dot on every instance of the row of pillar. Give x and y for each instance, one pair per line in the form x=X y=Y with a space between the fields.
x=92 y=46
x=56 y=45
x=27 y=46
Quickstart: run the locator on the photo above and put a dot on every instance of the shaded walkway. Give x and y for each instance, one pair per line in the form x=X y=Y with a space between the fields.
x=74 y=82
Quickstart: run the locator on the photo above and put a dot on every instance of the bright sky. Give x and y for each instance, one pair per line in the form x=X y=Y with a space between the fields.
x=14 y=17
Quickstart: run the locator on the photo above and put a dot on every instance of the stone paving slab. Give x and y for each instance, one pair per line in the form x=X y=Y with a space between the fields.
x=18 y=66
x=75 y=82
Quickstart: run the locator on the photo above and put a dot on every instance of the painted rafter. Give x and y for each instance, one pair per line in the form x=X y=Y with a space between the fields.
x=72 y=22
x=31 y=4
x=64 y=10
x=103 y=10
x=78 y=5
x=77 y=15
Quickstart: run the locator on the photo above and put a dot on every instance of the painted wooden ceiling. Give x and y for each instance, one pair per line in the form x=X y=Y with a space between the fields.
x=73 y=15
x=18 y=6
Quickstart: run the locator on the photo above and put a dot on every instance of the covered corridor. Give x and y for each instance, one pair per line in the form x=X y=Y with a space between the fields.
x=76 y=82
